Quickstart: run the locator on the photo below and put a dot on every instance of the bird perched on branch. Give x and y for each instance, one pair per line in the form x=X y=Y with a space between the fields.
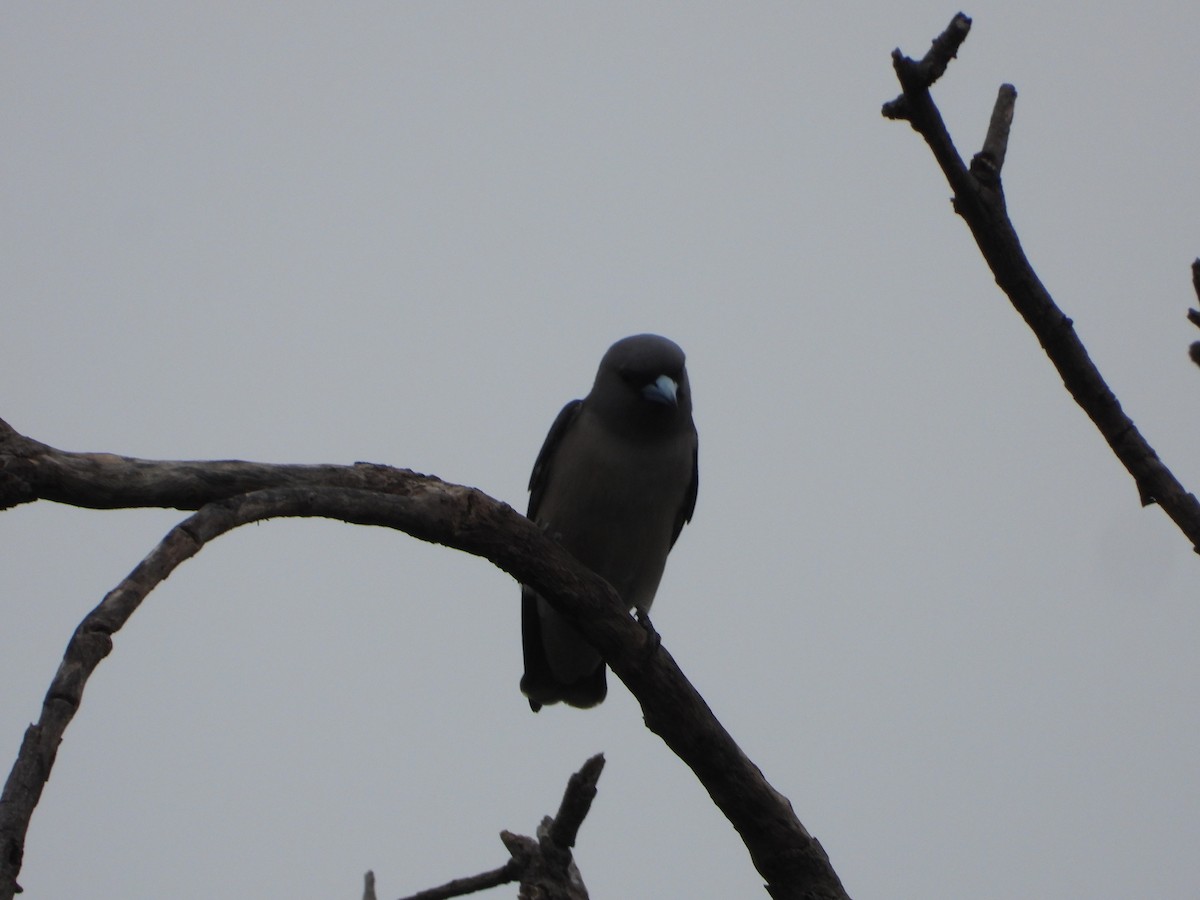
x=614 y=483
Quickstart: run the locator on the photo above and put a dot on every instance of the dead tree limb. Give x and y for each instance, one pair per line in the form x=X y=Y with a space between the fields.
x=545 y=867
x=979 y=199
x=1194 y=314
x=232 y=493
x=460 y=887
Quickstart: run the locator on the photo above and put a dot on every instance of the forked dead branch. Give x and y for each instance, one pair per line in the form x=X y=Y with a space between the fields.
x=979 y=199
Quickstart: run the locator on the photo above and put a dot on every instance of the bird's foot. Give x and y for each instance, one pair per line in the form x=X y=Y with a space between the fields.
x=653 y=638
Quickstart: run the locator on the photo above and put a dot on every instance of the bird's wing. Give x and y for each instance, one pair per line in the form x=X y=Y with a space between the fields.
x=689 y=499
x=545 y=457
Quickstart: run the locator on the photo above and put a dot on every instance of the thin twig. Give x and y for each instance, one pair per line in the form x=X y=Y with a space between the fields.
x=1194 y=314
x=460 y=887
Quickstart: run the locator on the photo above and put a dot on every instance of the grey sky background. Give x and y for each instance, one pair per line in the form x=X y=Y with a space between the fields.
x=918 y=587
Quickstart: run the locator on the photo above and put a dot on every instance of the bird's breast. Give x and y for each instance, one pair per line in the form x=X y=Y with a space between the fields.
x=614 y=507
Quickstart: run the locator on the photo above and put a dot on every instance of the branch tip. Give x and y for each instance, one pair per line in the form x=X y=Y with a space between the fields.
x=897 y=109
x=988 y=162
x=576 y=802
x=1194 y=314
x=944 y=48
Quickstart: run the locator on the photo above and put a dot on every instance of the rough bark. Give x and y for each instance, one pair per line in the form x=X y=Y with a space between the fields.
x=232 y=493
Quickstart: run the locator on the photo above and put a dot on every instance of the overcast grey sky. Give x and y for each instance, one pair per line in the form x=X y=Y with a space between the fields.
x=918 y=587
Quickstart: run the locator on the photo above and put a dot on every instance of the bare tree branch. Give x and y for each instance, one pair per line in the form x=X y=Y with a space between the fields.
x=233 y=493
x=460 y=887
x=576 y=802
x=933 y=64
x=1194 y=314
x=31 y=470
x=979 y=199
x=988 y=162
x=545 y=867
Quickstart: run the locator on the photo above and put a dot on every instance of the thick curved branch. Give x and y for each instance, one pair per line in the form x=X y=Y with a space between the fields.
x=31 y=470
x=793 y=863
x=979 y=199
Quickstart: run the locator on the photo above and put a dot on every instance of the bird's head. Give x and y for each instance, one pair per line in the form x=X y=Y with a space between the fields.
x=642 y=382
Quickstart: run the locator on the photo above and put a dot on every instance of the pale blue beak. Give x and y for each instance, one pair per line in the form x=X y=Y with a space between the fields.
x=664 y=390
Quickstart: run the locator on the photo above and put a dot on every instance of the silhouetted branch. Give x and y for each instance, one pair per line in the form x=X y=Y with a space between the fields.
x=932 y=65
x=576 y=801
x=544 y=867
x=979 y=199
x=31 y=470
x=460 y=887
x=987 y=163
x=233 y=493
x=1193 y=314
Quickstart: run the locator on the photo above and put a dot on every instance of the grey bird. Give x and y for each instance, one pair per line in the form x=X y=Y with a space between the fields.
x=614 y=483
